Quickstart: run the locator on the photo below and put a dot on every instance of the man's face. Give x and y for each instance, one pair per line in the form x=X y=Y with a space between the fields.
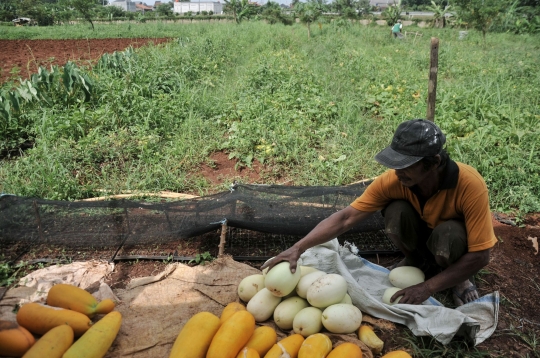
x=413 y=175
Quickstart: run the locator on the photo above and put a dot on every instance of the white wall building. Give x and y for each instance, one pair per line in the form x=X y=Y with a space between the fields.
x=182 y=7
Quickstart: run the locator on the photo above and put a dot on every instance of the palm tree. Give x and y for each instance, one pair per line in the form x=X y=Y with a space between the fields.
x=439 y=18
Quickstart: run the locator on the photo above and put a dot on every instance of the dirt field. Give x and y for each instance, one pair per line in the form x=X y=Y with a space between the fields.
x=23 y=57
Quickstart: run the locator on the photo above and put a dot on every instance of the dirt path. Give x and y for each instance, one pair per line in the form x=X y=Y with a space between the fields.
x=23 y=57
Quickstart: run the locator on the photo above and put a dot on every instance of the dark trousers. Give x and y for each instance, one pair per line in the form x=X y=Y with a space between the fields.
x=428 y=249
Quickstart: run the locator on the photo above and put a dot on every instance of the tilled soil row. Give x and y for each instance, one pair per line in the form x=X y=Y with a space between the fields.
x=22 y=58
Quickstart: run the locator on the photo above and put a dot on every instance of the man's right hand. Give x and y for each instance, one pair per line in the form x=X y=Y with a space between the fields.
x=292 y=254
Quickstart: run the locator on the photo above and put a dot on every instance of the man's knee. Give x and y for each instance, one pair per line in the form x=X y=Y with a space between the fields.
x=397 y=213
x=448 y=242
x=402 y=223
x=442 y=261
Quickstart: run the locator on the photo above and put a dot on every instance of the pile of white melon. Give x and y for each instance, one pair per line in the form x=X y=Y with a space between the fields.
x=304 y=301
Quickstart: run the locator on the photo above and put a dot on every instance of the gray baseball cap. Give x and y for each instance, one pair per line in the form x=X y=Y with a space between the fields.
x=413 y=140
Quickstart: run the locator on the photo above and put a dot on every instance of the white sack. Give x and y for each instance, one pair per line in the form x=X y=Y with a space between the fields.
x=476 y=321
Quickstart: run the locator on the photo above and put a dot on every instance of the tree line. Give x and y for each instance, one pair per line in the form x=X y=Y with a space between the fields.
x=516 y=16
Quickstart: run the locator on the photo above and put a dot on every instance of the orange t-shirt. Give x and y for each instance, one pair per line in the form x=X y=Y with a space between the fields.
x=463 y=195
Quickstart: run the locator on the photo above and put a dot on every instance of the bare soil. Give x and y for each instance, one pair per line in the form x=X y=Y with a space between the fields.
x=22 y=58
x=514 y=269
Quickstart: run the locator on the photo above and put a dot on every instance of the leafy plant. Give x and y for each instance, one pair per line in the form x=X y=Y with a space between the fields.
x=240 y=9
x=202 y=259
x=272 y=14
x=480 y=13
x=6 y=274
x=66 y=86
x=392 y=13
x=10 y=274
x=439 y=14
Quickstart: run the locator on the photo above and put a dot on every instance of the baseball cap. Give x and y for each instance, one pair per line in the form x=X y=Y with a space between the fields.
x=413 y=140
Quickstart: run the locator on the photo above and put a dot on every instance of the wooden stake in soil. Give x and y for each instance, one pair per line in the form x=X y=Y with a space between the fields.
x=222 y=238
x=432 y=85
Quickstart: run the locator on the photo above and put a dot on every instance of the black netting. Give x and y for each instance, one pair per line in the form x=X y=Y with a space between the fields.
x=285 y=211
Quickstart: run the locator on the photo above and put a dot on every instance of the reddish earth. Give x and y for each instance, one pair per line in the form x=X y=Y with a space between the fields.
x=514 y=269
x=221 y=170
x=23 y=57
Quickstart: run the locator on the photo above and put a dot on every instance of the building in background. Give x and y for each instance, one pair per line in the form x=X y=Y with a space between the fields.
x=143 y=7
x=383 y=4
x=131 y=6
x=196 y=7
x=124 y=5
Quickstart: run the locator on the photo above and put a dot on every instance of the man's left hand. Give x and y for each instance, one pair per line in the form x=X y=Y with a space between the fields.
x=413 y=295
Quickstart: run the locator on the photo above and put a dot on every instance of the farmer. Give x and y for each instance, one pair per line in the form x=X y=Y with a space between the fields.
x=396 y=29
x=436 y=211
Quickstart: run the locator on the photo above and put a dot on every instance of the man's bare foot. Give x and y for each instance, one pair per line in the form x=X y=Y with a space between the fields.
x=464 y=292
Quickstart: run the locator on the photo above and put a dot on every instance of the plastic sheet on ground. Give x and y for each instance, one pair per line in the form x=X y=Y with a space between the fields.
x=475 y=321
x=88 y=275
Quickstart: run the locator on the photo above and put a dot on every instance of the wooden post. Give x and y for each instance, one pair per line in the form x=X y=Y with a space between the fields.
x=222 y=238
x=432 y=85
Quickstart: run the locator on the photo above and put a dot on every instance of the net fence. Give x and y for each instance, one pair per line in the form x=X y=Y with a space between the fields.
x=261 y=221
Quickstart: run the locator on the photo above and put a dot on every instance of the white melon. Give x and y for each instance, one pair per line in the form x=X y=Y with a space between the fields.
x=308 y=321
x=286 y=311
x=306 y=281
x=342 y=318
x=347 y=299
x=280 y=280
x=262 y=305
x=327 y=290
x=406 y=276
x=388 y=295
x=307 y=269
x=249 y=286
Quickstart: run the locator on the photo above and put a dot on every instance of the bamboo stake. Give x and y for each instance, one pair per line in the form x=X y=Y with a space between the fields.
x=432 y=84
x=222 y=238
x=161 y=194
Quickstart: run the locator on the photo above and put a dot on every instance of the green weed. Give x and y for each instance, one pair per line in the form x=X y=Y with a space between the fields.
x=11 y=274
x=202 y=259
x=314 y=112
x=529 y=337
x=428 y=347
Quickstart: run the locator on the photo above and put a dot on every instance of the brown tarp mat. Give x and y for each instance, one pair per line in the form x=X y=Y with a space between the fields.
x=156 y=308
